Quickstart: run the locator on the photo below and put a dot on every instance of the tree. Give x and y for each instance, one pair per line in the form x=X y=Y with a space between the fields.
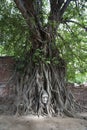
x=46 y=69
x=46 y=53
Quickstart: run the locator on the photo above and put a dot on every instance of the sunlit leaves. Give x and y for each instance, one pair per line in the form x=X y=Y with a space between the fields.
x=71 y=39
x=13 y=29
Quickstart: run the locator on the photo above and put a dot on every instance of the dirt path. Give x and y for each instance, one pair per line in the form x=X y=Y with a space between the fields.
x=35 y=123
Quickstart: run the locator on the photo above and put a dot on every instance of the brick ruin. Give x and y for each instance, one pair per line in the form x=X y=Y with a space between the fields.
x=6 y=72
x=79 y=92
x=7 y=67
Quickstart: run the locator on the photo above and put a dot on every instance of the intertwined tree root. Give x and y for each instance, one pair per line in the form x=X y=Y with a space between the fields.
x=46 y=78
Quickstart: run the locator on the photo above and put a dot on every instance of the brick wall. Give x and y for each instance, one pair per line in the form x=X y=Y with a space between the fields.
x=6 y=90
x=80 y=94
x=6 y=68
x=6 y=71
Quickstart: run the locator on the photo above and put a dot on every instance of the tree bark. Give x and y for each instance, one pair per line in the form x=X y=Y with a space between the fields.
x=43 y=75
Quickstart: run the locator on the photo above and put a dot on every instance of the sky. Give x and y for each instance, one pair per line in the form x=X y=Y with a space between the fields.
x=9 y=1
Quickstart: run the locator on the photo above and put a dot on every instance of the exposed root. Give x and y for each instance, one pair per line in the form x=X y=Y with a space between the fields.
x=47 y=79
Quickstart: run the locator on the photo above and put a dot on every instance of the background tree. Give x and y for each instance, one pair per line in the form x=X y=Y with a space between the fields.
x=45 y=46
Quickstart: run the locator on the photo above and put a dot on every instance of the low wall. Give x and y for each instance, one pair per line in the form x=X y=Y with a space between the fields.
x=6 y=68
x=6 y=71
x=6 y=91
x=80 y=94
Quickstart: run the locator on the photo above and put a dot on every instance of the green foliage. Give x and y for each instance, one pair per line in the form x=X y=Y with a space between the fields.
x=71 y=39
x=14 y=30
x=39 y=56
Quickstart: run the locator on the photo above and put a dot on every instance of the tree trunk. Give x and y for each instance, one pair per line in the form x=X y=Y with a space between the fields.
x=44 y=73
x=39 y=79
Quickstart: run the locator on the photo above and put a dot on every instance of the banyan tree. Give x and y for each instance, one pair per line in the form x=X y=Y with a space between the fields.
x=41 y=85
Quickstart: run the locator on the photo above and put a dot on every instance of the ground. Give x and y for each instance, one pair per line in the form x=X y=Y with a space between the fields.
x=40 y=123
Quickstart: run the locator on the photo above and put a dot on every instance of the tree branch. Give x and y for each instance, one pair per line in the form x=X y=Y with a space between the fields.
x=64 y=7
x=26 y=8
x=72 y=21
x=55 y=9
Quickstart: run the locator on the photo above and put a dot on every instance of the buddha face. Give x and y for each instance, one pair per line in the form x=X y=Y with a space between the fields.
x=44 y=97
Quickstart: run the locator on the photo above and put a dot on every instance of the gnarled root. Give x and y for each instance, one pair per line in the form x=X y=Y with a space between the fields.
x=49 y=79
